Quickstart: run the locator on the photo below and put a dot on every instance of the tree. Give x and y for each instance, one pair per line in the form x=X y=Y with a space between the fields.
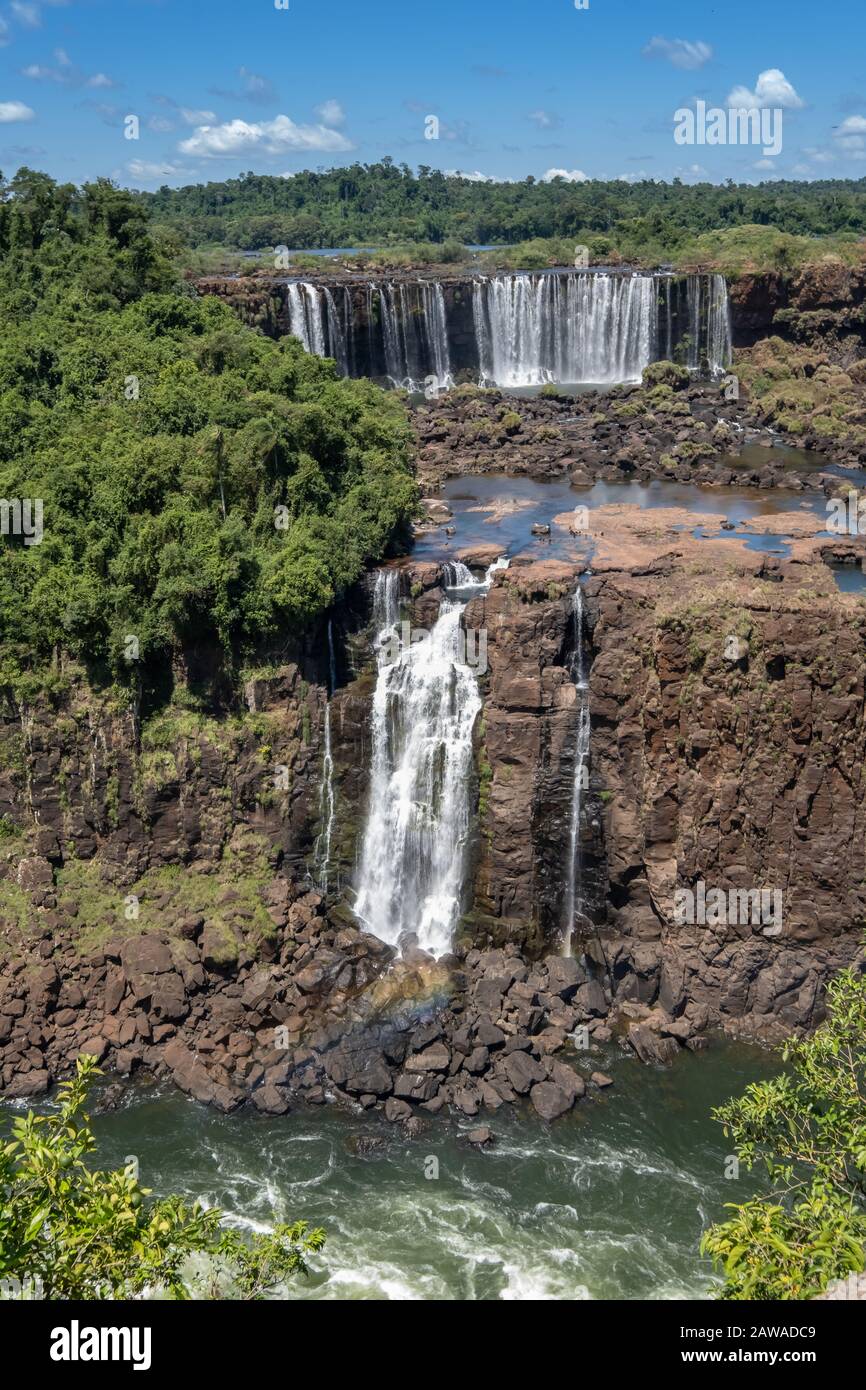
x=69 y=1232
x=808 y=1127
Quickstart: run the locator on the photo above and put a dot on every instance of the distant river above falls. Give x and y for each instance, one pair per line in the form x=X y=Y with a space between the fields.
x=608 y=1203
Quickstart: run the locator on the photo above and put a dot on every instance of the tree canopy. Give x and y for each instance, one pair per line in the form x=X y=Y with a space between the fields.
x=198 y=481
x=389 y=203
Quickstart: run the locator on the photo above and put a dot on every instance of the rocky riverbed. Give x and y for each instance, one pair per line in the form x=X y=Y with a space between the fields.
x=686 y=432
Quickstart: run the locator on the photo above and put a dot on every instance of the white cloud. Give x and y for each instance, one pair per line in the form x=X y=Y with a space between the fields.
x=543 y=119
x=569 y=175
x=272 y=137
x=144 y=169
x=683 y=53
x=193 y=117
x=475 y=177
x=331 y=113
x=4 y=33
x=851 y=134
x=15 y=111
x=67 y=74
x=26 y=14
x=771 y=89
x=765 y=164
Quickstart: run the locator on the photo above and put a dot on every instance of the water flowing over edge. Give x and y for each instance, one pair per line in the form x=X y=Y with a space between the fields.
x=596 y=327
x=412 y=873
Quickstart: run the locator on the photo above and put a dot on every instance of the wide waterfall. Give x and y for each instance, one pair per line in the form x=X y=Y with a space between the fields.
x=426 y=702
x=573 y=906
x=514 y=330
x=537 y=328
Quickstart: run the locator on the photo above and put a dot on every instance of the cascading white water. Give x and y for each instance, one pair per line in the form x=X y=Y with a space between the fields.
x=415 y=335
x=306 y=321
x=577 y=326
x=588 y=327
x=426 y=702
x=336 y=334
x=719 y=333
x=327 y=800
x=573 y=905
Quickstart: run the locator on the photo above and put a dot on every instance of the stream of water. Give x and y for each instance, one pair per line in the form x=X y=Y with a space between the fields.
x=610 y=1202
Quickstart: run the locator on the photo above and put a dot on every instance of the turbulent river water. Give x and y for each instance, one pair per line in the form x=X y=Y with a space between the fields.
x=609 y=1203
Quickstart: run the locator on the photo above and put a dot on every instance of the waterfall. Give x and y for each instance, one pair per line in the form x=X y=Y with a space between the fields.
x=588 y=327
x=598 y=327
x=336 y=334
x=573 y=903
x=695 y=299
x=426 y=702
x=719 y=333
x=322 y=849
x=306 y=320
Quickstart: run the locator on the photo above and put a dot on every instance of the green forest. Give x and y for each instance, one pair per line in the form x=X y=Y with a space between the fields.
x=198 y=480
x=386 y=203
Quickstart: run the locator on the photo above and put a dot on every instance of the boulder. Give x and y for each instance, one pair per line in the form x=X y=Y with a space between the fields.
x=550 y=1100
x=522 y=1071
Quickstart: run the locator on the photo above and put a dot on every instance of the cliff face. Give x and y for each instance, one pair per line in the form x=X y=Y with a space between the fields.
x=822 y=305
x=736 y=765
x=739 y=773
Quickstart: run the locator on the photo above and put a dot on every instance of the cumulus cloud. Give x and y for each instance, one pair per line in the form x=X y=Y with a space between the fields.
x=683 y=53
x=568 y=175
x=279 y=136
x=851 y=134
x=331 y=113
x=771 y=89
x=11 y=111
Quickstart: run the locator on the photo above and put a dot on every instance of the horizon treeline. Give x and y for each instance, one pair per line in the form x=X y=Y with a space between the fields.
x=386 y=203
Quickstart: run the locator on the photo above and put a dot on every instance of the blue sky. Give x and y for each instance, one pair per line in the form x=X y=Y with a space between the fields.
x=518 y=86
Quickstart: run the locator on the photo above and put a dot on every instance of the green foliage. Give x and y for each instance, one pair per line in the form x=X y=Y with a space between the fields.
x=76 y=1233
x=666 y=374
x=386 y=204
x=808 y=1128
x=163 y=436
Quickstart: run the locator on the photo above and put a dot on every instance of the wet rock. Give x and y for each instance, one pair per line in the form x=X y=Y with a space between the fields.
x=270 y=1100
x=397 y=1110
x=652 y=1049
x=550 y=1101
x=482 y=1137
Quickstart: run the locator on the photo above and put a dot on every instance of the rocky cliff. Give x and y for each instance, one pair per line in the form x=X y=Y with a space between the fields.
x=727 y=699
